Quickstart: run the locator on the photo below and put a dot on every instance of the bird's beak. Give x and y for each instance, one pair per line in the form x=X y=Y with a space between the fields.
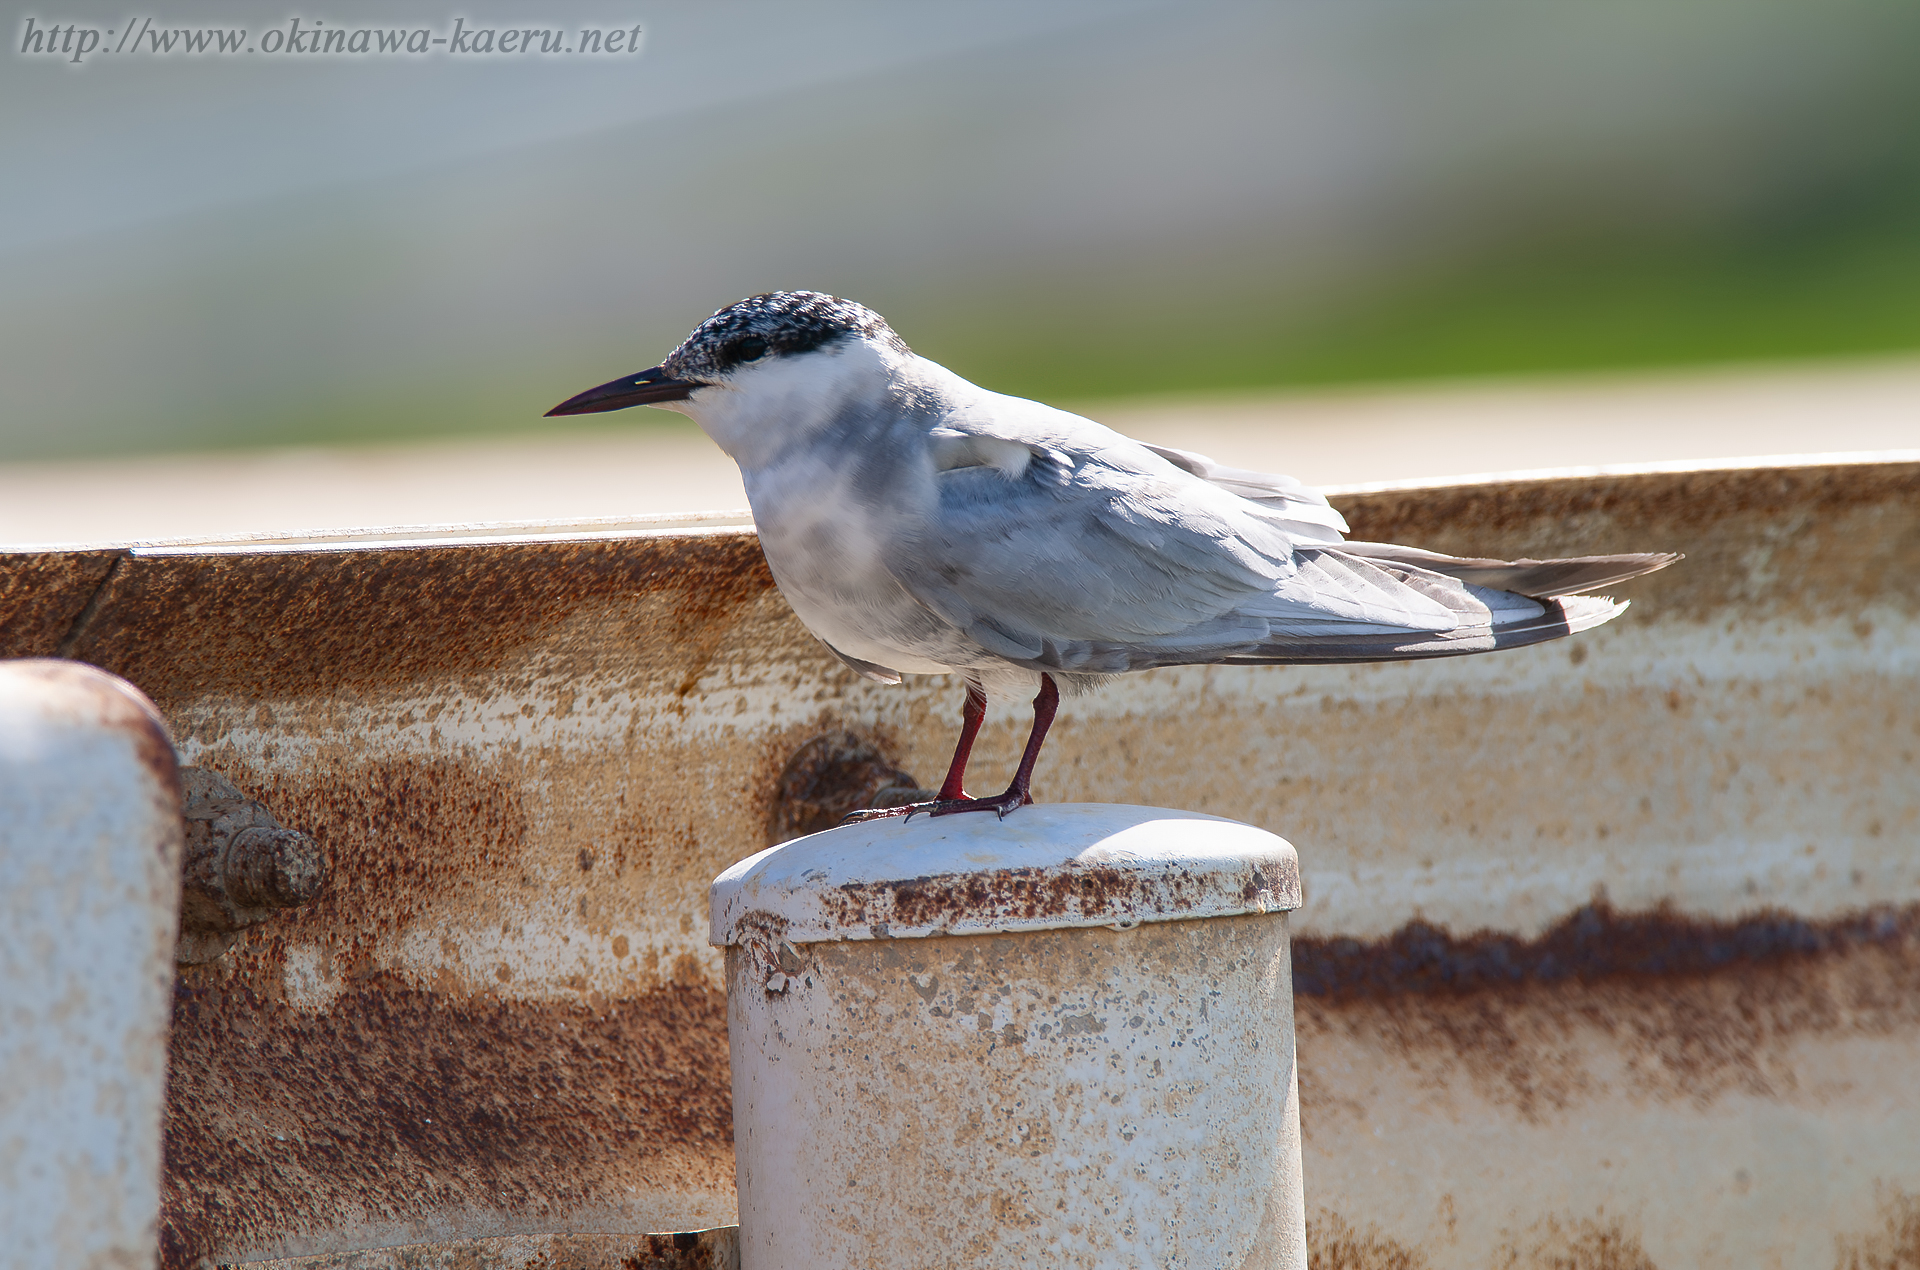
x=648 y=388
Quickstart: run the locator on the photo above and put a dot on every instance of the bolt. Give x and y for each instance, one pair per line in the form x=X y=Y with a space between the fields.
x=273 y=868
x=831 y=775
x=241 y=865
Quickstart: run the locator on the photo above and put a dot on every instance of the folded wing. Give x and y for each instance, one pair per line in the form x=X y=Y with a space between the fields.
x=1088 y=553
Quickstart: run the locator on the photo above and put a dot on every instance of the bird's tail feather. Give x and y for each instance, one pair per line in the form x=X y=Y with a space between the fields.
x=1537 y=579
x=1560 y=617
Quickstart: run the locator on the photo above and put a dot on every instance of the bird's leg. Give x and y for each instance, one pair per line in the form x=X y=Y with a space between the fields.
x=972 y=714
x=1045 y=706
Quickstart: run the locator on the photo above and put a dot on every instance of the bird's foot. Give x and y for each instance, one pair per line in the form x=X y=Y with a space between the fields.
x=895 y=800
x=999 y=804
x=881 y=813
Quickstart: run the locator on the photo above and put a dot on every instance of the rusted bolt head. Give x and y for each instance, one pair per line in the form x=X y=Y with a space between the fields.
x=273 y=868
x=831 y=775
x=239 y=867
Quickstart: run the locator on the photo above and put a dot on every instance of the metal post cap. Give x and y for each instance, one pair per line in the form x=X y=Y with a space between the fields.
x=1045 y=867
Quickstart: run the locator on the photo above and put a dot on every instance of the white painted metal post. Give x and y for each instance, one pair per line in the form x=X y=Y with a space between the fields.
x=1063 y=1039
x=89 y=897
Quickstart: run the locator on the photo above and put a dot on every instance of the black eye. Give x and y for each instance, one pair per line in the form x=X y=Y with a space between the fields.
x=750 y=349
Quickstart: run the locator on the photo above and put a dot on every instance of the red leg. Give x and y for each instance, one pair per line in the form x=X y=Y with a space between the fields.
x=972 y=714
x=952 y=798
x=1018 y=794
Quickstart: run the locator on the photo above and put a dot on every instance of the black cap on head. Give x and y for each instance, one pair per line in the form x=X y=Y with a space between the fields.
x=777 y=322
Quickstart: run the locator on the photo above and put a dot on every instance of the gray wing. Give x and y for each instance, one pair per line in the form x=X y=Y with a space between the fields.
x=1301 y=505
x=1108 y=557
x=1540 y=579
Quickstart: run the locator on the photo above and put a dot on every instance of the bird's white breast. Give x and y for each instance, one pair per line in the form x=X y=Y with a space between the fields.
x=827 y=551
x=831 y=463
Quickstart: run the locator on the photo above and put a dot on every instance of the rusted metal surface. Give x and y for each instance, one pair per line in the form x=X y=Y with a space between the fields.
x=1037 y=1097
x=1766 y=1085
x=499 y=948
x=716 y=1249
x=398 y=1107
x=1761 y=541
x=1592 y=945
x=1062 y=865
x=526 y=759
x=831 y=775
x=241 y=866
x=89 y=892
x=1082 y=1097
x=43 y=594
x=347 y=621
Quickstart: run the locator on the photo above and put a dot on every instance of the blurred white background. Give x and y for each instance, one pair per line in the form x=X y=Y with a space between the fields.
x=1390 y=238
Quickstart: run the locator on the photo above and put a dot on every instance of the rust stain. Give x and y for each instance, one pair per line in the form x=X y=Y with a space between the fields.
x=1591 y=944
x=1595 y=1243
x=337 y=622
x=716 y=1249
x=1788 y=540
x=399 y=1105
x=1719 y=1015
x=42 y=593
x=153 y=744
x=1895 y=1246
x=1333 y=1243
x=400 y=835
x=637 y=839
x=1031 y=894
x=1587 y=1243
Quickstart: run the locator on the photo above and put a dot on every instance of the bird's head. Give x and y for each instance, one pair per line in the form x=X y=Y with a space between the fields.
x=787 y=355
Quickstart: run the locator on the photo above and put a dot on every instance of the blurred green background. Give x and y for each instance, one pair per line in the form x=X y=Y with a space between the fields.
x=1069 y=200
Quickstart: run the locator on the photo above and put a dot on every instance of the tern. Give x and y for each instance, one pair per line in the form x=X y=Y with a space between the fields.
x=920 y=524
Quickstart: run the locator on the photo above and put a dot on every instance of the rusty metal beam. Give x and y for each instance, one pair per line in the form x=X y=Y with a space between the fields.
x=526 y=758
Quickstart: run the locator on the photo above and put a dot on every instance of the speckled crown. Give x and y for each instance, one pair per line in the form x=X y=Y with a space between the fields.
x=787 y=321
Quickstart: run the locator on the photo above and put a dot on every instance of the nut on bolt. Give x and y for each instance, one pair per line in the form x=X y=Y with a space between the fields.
x=241 y=866
x=832 y=774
